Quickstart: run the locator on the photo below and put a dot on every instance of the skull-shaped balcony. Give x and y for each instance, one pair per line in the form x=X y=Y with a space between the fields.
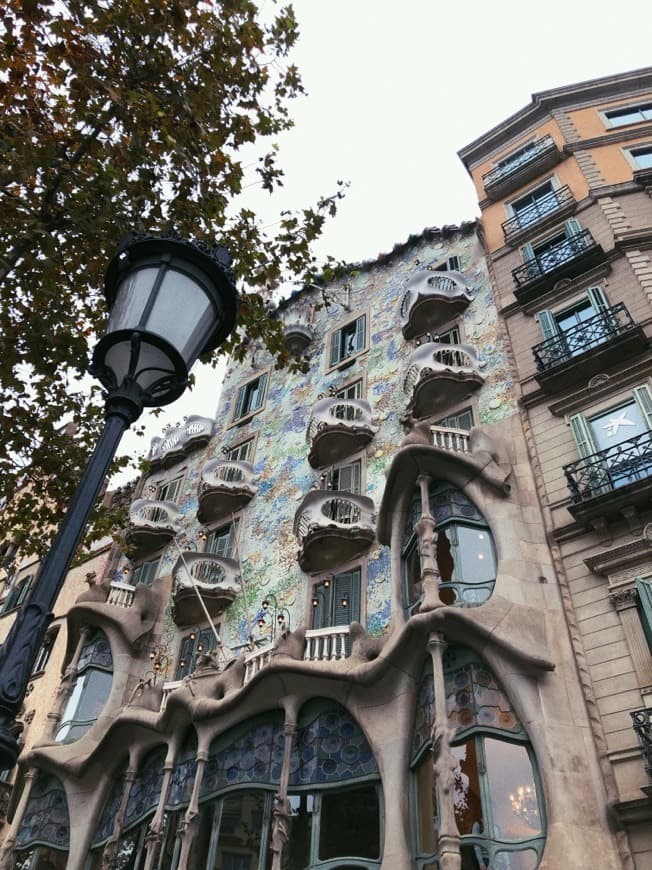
x=439 y=376
x=152 y=524
x=338 y=428
x=332 y=528
x=226 y=486
x=215 y=578
x=431 y=299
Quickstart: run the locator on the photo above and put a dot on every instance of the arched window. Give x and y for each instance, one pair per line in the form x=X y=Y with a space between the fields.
x=465 y=552
x=90 y=690
x=495 y=794
x=43 y=836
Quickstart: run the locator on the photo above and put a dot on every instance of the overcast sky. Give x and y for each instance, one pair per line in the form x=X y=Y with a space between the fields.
x=396 y=89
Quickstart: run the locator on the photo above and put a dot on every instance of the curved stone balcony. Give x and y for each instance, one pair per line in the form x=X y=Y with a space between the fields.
x=337 y=429
x=152 y=524
x=439 y=376
x=216 y=578
x=431 y=299
x=226 y=486
x=332 y=528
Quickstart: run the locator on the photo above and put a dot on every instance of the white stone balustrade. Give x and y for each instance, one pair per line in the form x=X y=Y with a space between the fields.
x=327 y=644
x=256 y=661
x=455 y=440
x=121 y=595
x=431 y=299
x=168 y=687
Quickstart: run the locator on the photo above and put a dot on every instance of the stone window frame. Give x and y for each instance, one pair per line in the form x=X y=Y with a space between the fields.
x=624 y=108
x=344 y=362
x=248 y=415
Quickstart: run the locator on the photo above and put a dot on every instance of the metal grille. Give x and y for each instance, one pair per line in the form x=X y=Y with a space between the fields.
x=597 y=330
x=642 y=724
x=557 y=255
x=610 y=469
x=539 y=209
x=521 y=158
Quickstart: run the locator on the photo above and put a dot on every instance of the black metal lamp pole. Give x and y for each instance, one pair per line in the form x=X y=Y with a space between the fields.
x=170 y=300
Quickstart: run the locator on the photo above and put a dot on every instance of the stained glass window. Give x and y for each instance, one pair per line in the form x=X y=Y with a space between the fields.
x=106 y=823
x=90 y=690
x=45 y=819
x=183 y=774
x=146 y=788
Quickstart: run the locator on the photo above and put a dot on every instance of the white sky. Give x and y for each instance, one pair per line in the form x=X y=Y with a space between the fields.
x=394 y=90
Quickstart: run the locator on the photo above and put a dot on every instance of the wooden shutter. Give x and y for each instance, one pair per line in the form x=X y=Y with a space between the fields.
x=597 y=299
x=205 y=640
x=360 y=332
x=23 y=590
x=644 y=589
x=186 y=655
x=582 y=435
x=239 y=403
x=346 y=587
x=348 y=478
x=548 y=324
x=259 y=395
x=335 y=347
x=644 y=402
x=573 y=227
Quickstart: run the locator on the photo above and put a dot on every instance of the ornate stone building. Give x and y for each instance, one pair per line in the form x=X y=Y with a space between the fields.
x=564 y=189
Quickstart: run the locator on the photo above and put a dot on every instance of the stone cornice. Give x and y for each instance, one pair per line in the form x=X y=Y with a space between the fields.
x=620 y=134
x=622 y=556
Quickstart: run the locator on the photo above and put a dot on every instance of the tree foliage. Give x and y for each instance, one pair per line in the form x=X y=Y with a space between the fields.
x=119 y=115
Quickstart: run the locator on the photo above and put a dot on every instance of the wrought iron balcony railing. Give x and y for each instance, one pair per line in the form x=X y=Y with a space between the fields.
x=536 y=213
x=585 y=336
x=557 y=255
x=608 y=470
x=642 y=724
x=525 y=156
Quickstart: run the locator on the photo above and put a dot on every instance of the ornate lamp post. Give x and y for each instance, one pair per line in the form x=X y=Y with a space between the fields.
x=169 y=300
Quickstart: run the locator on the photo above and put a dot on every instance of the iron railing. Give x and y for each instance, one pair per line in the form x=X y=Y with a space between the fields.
x=591 y=333
x=642 y=724
x=609 y=469
x=524 y=156
x=557 y=255
x=549 y=204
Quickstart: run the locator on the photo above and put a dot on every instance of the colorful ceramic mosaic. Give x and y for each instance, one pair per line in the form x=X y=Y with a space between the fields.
x=46 y=816
x=473 y=696
x=106 y=824
x=145 y=791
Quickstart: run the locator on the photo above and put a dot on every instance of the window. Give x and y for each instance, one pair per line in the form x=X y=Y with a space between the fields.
x=465 y=553
x=169 y=490
x=619 y=441
x=534 y=205
x=629 y=114
x=642 y=157
x=250 y=397
x=644 y=589
x=45 y=650
x=242 y=452
x=452 y=264
x=193 y=644
x=43 y=835
x=458 y=420
x=17 y=593
x=145 y=573
x=90 y=690
x=565 y=330
x=344 y=478
x=554 y=250
x=348 y=341
x=350 y=391
x=222 y=541
x=336 y=600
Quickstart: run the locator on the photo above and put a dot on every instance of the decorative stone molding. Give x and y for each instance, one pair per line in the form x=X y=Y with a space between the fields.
x=179 y=441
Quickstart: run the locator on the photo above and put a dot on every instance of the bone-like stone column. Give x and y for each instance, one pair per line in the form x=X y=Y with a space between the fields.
x=6 y=853
x=425 y=529
x=281 y=809
x=155 y=830
x=190 y=824
x=111 y=847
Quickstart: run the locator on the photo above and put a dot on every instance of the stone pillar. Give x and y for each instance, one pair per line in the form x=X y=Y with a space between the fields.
x=425 y=529
x=6 y=853
x=64 y=690
x=281 y=810
x=111 y=847
x=190 y=824
x=444 y=762
x=625 y=600
x=155 y=829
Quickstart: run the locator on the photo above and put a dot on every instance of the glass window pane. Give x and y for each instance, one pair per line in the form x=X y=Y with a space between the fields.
x=514 y=803
x=426 y=797
x=349 y=824
x=474 y=556
x=466 y=790
x=296 y=852
x=240 y=834
x=96 y=691
x=188 y=334
x=527 y=859
x=475 y=857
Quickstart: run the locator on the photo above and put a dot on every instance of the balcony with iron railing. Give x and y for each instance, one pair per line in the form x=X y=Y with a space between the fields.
x=566 y=259
x=439 y=376
x=332 y=528
x=642 y=725
x=338 y=428
x=526 y=164
x=215 y=578
x=226 y=486
x=432 y=299
x=618 y=477
x=543 y=212
x=152 y=524
x=582 y=351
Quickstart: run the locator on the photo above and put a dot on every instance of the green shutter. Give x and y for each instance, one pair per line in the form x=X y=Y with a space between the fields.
x=205 y=639
x=239 y=404
x=644 y=589
x=644 y=401
x=527 y=252
x=24 y=589
x=360 y=332
x=257 y=399
x=582 y=435
x=597 y=299
x=548 y=324
x=335 y=347
x=573 y=227
x=185 y=657
x=346 y=587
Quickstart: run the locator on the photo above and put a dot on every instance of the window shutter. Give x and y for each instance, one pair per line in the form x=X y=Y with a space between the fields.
x=527 y=252
x=548 y=324
x=257 y=399
x=346 y=587
x=597 y=299
x=360 y=332
x=454 y=264
x=24 y=589
x=582 y=435
x=573 y=227
x=335 y=347
x=205 y=640
x=239 y=404
x=644 y=589
x=644 y=401
x=185 y=657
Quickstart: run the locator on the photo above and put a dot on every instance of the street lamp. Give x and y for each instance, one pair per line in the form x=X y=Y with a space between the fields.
x=169 y=300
